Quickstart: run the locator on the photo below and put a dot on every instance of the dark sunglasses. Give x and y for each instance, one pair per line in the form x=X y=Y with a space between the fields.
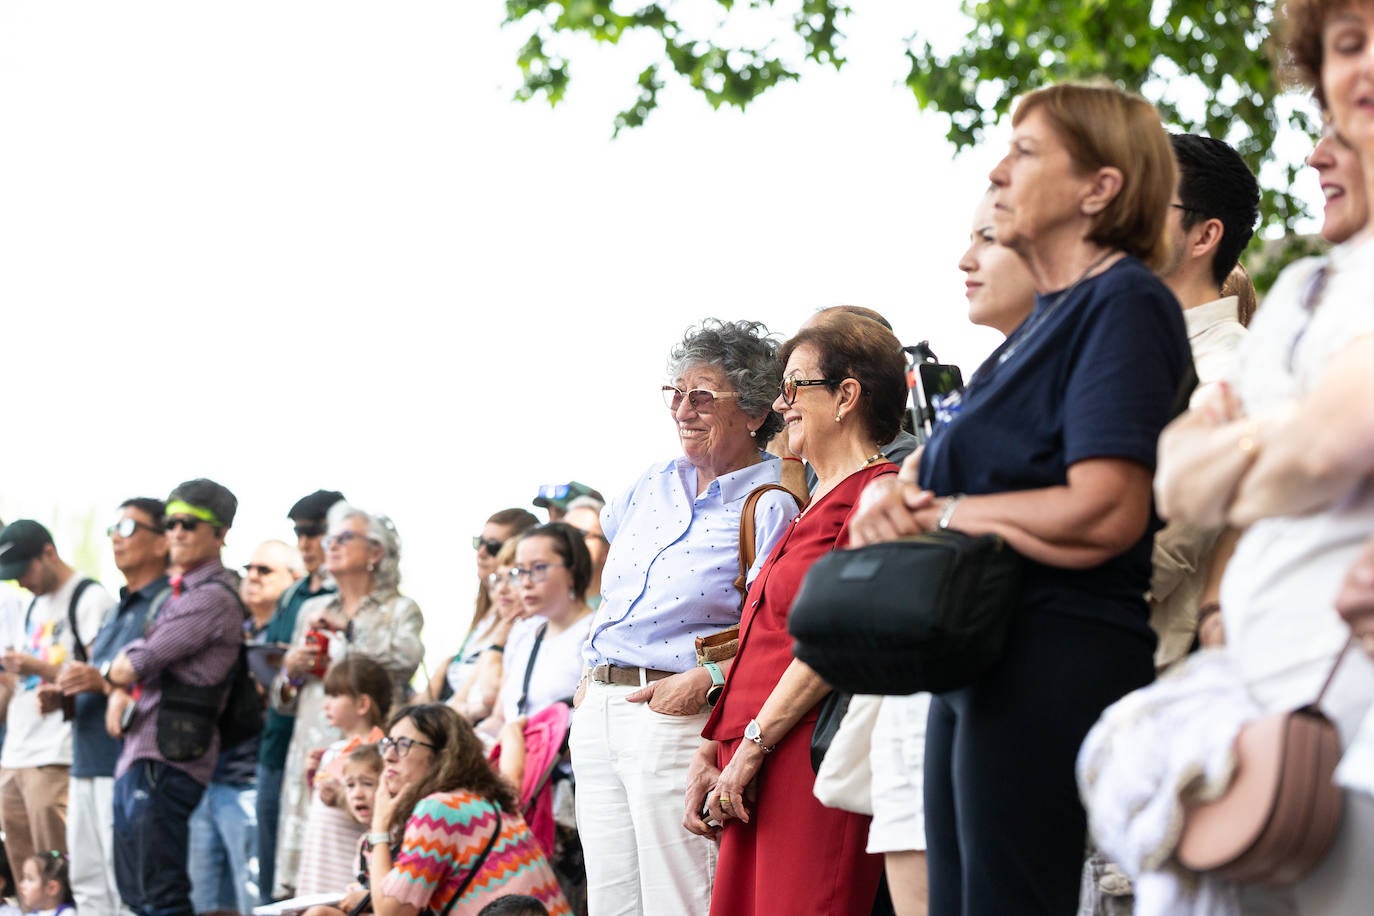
x=789 y=386
x=310 y=529
x=492 y=546
x=258 y=568
x=126 y=527
x=189 y=522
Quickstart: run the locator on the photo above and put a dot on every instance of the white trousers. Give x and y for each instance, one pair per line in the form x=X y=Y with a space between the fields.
x=631 y=769
x=90 y=845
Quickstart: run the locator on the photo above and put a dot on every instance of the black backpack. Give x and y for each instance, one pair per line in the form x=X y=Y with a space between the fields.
x=188 y=714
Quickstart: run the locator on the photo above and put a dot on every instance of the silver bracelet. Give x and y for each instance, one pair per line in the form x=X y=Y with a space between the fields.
x=947 y=514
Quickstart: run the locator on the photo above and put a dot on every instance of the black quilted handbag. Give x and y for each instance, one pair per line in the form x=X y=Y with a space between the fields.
x=927 y=612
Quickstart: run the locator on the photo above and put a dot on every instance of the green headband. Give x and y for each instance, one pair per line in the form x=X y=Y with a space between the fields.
x=181 y=507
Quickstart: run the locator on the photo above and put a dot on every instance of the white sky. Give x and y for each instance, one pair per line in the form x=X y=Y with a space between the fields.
x=289 y=245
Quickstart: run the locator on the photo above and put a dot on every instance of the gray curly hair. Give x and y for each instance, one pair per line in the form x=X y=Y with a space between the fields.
x=380 y=531
x=748 y=355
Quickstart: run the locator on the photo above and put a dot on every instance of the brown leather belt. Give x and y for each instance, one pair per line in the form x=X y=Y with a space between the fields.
x=627 y=677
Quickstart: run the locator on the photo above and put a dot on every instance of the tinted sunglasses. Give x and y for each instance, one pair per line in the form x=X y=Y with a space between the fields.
x=126 y=527
x=259 y=568
x=189 y=522
x=492 y=546
x=702 y=400
x=789 y=386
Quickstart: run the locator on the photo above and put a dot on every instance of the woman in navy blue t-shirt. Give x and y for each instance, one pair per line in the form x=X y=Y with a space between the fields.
x=1052 y=447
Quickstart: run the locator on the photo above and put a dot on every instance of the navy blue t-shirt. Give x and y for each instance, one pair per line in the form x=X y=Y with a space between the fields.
x=94 y=752
x=1094 y=375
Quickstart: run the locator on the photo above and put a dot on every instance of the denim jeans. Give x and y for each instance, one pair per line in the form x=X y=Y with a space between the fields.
x=153 y=802
x=269 y=811
x=224 y=849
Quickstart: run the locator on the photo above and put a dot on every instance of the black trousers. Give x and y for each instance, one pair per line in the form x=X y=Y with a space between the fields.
x=1005 y=831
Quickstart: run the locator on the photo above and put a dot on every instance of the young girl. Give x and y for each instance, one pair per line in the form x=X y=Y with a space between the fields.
x=43 y=887
x=357 y=700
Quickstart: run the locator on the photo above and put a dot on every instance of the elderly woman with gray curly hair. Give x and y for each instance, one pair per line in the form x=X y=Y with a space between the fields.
x=367 y=616
x=669 y=578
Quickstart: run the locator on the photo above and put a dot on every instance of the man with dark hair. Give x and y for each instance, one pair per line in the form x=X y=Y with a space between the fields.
x=60 y=622
x=140 y=553
x=308 y=516
x=1213 y=216
x=170 y=747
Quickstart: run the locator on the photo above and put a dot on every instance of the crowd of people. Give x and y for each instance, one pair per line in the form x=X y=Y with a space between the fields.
x=624 y=728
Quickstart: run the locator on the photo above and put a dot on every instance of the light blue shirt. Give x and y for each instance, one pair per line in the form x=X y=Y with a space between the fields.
x=673 y=560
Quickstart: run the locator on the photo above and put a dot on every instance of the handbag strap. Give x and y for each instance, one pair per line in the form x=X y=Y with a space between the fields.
x=476 y=866
x=529 y=669
x=1331 y=675
x=748 y=547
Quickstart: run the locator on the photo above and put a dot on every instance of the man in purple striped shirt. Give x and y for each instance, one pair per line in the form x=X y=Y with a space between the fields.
x=187 y=652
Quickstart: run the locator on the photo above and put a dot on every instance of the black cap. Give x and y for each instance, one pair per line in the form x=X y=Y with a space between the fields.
x=208 y=495
x=21 y=541
x=315 y=507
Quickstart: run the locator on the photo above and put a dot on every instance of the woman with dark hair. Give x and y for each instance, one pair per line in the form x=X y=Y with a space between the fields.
x=670 y=578
x=482 y=632
x=542 y=657
x=446 y=832
x=1053 y=442
x=842 y=396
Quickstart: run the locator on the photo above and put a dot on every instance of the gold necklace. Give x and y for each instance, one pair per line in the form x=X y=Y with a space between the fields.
x=876 y=456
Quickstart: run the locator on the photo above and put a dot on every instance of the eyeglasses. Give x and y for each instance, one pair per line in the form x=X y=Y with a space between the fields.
x=126 y=527
x=538 y=572
x=492 y=545
x=310 y=529
x=343 y=539
x=401 y=746
x=188 y=522
x=789 y=386
x=259 y=568
x=702 y=400
x=497 y=579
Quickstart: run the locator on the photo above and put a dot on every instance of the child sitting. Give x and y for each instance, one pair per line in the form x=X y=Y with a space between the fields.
x=357 y=700
x=43 y=888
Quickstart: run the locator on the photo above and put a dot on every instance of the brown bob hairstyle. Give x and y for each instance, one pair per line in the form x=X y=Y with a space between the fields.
x=1103 y=126
x=1300 y=51
x=854 y=346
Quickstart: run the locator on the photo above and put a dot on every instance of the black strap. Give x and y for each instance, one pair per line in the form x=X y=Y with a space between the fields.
x=529 y=669
x=77 y=648
x=477 y=866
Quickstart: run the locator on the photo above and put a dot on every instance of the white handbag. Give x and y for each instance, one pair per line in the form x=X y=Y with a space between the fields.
x=845 y=779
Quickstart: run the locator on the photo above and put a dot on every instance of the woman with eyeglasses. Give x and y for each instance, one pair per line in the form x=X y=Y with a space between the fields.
x=842 y=397
x=367 y=615
x=449 y=679
x=1282 y=451
x=670 y=578
x=446 y=835
x=542 y=662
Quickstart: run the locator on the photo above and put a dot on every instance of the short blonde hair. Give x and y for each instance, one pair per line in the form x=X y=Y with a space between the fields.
x=1104 y=126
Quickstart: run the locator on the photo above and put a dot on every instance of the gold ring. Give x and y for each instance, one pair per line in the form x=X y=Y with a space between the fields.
x=724 y=800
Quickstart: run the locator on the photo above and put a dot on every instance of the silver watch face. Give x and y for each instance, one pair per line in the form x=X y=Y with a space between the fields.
x=752 y=731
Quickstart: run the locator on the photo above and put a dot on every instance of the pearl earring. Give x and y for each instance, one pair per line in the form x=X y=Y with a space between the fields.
x=753 y=433
x=837 y=418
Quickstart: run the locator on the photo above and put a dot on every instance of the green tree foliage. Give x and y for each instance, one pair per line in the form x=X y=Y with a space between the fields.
x=1204 y=64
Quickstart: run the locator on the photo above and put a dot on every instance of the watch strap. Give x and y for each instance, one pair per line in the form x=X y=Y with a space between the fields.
x=717 y=676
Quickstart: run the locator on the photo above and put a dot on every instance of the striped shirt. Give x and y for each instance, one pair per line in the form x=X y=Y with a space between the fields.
x=196 y=637
x=444 y=837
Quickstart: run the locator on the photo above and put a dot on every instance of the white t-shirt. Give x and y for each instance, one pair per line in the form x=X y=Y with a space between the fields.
x=33 y=740
x=1279 y=591
x=557 y=668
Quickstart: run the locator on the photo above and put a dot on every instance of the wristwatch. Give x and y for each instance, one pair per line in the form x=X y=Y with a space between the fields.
x=376 y=839
x=105 y=672
x=753 y=733
x=717 y=683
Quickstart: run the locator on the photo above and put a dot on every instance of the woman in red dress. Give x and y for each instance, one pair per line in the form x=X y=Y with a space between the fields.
x=781 y=851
